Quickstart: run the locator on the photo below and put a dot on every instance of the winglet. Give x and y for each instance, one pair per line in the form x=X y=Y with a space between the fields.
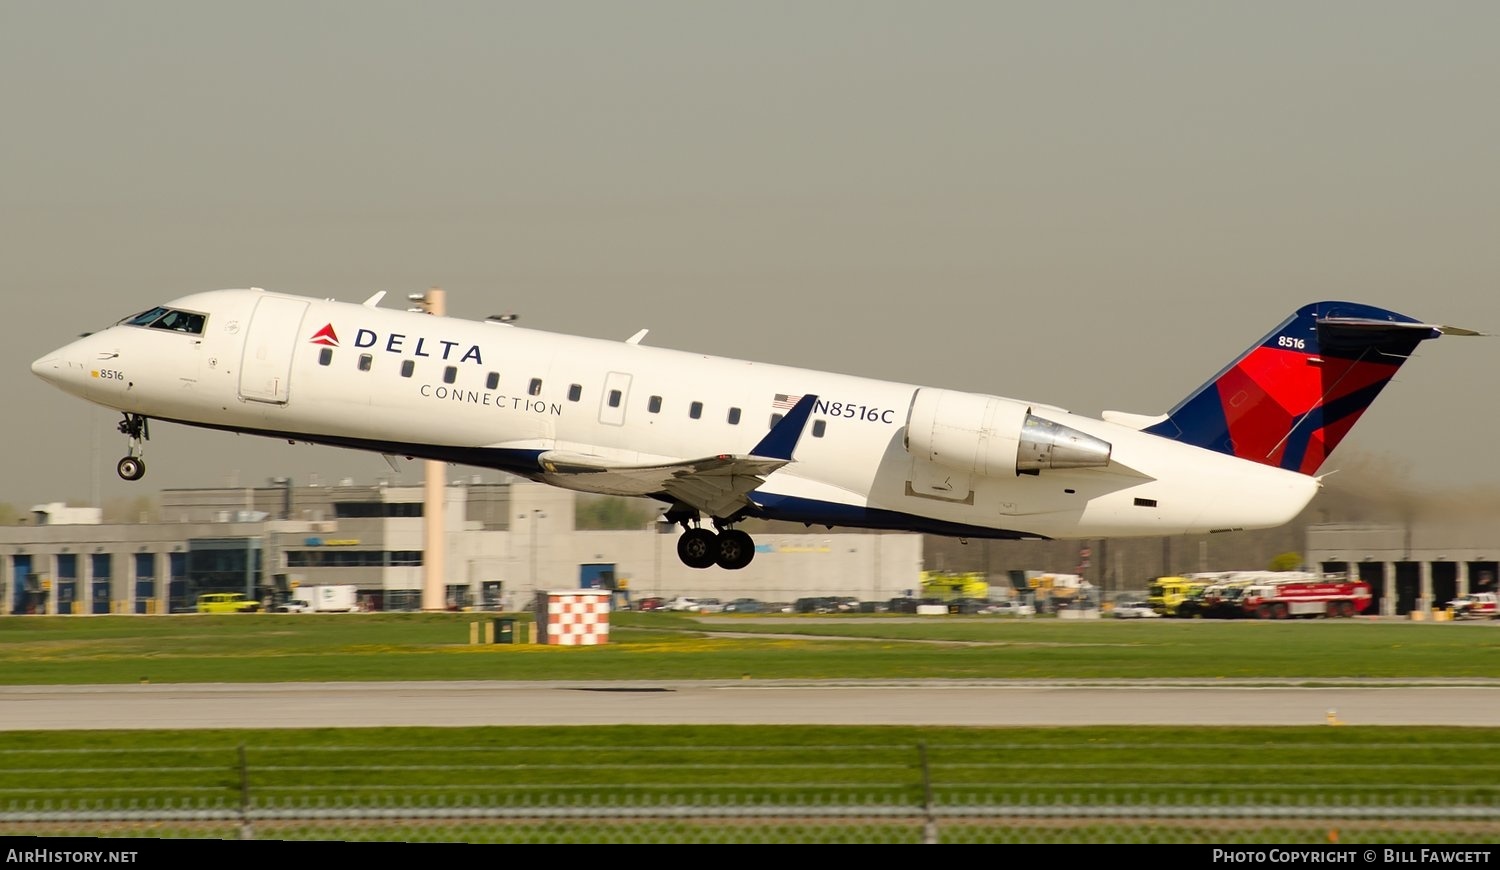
x=374 y=300
x=782 y=439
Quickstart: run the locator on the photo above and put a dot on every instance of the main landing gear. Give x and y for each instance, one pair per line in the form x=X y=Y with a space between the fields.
x=698 y=547
x=137 y=432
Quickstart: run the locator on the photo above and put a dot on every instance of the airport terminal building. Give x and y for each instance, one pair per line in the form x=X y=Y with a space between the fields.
x=506 y=541
x=503 y=543
x=1412 y=569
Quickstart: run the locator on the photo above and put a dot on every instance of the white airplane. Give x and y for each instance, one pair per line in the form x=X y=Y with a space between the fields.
x=729 y=440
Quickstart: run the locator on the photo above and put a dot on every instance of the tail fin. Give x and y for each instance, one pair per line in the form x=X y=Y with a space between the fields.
x=1292 y=397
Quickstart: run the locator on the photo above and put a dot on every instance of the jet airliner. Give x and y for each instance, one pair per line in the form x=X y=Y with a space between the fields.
x=718 y=441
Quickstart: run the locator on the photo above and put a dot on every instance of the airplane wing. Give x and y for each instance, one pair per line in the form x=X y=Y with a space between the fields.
x=716 y=485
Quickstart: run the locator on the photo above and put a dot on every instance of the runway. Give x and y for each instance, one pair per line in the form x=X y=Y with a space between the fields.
x=748 y=702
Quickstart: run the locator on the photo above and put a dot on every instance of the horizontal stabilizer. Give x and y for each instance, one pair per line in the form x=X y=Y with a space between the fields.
x=1134 y=421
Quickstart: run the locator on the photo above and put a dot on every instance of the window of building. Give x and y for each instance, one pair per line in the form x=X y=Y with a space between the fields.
x=575 y=392
x=407 y=367
x=734 y=416
x=695 y=410
x=365 y=361
x=450 y=374
x=325 y=356
x=357 y=509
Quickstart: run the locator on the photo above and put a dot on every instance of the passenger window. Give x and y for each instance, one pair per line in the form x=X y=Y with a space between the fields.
x=575 y=392
x=407 y=367
x=695 y=410
x=818 y=427
x=492 y=380
x=536 y=387
x=450 y=374
x=775 y=418
x=734 y=416
x=614 y=398
x=654 y=405
x=325 y=356
x=365 y=361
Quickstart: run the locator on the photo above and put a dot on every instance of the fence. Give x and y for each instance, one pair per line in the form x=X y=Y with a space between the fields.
x=677 y=819
x=529 y=790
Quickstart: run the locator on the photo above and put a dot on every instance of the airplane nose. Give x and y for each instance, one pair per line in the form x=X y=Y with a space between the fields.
x=65 y=369
x=48 y=367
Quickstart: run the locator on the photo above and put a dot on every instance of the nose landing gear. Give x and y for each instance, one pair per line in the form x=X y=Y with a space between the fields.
x=137 y=432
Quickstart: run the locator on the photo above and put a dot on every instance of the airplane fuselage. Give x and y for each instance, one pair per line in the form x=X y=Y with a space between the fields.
x=500 y=396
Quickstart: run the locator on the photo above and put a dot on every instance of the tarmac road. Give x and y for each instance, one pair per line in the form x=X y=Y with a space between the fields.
x=750 y=702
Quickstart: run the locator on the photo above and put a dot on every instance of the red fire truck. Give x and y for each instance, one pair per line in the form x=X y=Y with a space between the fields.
x=1329 y=596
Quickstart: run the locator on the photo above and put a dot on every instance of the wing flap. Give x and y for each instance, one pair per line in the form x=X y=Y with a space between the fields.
x=716 y=485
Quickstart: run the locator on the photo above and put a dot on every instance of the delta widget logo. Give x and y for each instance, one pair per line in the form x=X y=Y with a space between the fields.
x=326 y=336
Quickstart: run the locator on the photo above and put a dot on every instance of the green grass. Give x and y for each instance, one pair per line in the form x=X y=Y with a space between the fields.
x=1108 y=764
x=1425 y=772
x=416 y=646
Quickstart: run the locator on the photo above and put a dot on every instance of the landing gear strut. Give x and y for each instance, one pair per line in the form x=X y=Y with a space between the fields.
x=137 y=432
x=698 y=547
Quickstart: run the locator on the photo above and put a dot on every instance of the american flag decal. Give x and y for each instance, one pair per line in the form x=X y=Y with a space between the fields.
x=784 y=401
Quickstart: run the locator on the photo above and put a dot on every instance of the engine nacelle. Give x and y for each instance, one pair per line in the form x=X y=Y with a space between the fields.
x=988 y=435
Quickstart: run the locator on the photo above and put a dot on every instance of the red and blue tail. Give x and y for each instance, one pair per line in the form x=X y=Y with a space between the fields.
x=1293 y=396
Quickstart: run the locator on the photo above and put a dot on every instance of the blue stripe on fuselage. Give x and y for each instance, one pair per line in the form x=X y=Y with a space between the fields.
x=823 y=513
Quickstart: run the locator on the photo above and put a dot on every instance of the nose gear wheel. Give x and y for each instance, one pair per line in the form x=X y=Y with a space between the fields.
x=137 y=432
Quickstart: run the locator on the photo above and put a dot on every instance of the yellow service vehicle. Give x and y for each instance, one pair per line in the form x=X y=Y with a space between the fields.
x=945 y=586
x=226 y=602
x=1166 y=594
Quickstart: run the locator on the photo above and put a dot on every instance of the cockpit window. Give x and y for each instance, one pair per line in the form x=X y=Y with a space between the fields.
x=145 y=317
x=180 y=321
x=170 y=319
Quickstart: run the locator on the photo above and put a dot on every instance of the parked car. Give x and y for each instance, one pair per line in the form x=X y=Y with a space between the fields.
x=1135 y=610
x=902 y=605
x=709 y=605
x=652 y=603
x=1475 y=604
x=683 y=604
x=961 y=605
x=292 y=606
x=1008 y=608
x=226 y=602
x=815 y=604
x=743 y=605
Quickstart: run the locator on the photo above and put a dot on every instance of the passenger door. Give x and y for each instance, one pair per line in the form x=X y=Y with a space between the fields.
x=266 y=366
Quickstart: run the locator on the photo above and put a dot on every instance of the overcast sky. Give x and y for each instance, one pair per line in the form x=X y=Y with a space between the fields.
x=1089 y=204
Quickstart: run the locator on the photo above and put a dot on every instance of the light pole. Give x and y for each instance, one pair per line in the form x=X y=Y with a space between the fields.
x=537 y=514
x=434 y=584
